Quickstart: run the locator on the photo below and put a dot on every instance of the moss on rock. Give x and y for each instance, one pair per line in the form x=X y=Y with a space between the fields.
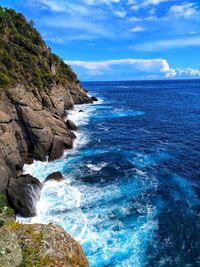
x=47 y=245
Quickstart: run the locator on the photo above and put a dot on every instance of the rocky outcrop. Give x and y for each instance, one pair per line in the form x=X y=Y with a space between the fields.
x=36 y=245
x=32 y=125
x=23 y=193
x=39 y=245
x=94 y=99
x=71 y=125
x=56 y=176
x=10 y=251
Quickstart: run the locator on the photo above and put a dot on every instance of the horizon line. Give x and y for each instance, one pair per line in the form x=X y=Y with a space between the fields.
x=156 y=80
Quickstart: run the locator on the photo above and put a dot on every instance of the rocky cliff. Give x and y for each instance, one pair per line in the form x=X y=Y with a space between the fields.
x=36 y=90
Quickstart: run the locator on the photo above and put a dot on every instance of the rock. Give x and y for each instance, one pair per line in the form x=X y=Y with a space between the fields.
x=57 y=176
x=9 y=150
x=23 y=194
x=93 y=98
x=58 y=146
x=71 y=125
x=5 y=175
x=81 y=110
x=4 y=118
x=48 y=245
x=10 y=251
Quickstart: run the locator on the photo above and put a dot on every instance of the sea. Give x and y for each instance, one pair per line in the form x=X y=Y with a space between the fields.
x=131 y=193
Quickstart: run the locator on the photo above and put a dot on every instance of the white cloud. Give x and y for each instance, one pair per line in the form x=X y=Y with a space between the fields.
x=120 y=13
x=117 y=67
x=80 y=26
x=184 y=10
x=188 y=72
x=168 y=44
x=135 y=4
x=127 y=69
x=138 y=29
x=107 y=2
x=133 y=19
x=57 y=6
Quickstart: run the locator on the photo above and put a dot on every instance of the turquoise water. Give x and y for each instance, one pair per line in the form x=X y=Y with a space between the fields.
x=131 y=188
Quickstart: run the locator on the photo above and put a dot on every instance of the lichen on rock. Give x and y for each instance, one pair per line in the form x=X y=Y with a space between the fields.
x=47 y=245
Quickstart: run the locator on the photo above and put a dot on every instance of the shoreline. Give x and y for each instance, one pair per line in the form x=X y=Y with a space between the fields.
x=29 y=223
x=81 y=140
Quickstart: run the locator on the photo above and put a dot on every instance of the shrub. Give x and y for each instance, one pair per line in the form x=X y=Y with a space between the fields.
x=25 y=58
x=4 y=79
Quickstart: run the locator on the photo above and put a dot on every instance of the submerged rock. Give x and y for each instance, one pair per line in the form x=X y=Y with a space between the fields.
x=57 y=176
x=81 y=110
x=23 y=194
x=71 y=125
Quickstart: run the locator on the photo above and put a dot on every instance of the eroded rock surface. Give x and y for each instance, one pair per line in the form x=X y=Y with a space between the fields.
x=32 y=125
x=10 y=250
x=46 y=245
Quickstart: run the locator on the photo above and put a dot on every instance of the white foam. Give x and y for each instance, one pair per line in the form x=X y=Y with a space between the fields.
x=97 y=167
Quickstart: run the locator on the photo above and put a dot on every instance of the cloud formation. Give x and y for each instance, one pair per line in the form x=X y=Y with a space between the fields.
x=168 y=44
x=183 y=10
x=129 y=69
x=138 y=29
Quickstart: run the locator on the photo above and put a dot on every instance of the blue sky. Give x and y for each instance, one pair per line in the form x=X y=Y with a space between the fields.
x=120 y=39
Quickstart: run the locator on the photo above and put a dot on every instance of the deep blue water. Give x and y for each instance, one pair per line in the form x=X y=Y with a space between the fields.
x=132 y=188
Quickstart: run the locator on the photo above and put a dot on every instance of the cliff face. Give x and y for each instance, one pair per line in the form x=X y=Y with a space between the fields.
x=32 y=125
x=36 y=87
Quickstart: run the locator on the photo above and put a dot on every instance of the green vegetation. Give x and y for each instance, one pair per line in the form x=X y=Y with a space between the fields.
x=6 y=213
x=25 y=58
x=31 y=248
x=3 y=207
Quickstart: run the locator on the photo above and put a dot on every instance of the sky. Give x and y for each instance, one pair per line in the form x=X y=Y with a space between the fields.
x=107 y=40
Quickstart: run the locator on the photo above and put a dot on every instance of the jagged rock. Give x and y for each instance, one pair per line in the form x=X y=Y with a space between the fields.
x=23 y=194
x=57 y=176
x=5 y=174
x=9 y=150
x=10 y=250
x=31 y=111
x=81 y=110
x=93 y=98
x=48 y=245
x=58 y=146
x=71 y=125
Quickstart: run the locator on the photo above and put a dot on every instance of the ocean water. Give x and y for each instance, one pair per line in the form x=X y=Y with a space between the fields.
x=132 y=182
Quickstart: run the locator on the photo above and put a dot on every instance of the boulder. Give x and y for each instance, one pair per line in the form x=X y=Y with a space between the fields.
x=93 y=98
x=71 y=125
x=23 y=193
x=58 y=146
x=81 y=110
x=57 y=176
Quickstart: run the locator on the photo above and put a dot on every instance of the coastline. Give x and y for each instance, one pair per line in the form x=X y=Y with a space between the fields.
x=80 y=119
x=78 y=255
